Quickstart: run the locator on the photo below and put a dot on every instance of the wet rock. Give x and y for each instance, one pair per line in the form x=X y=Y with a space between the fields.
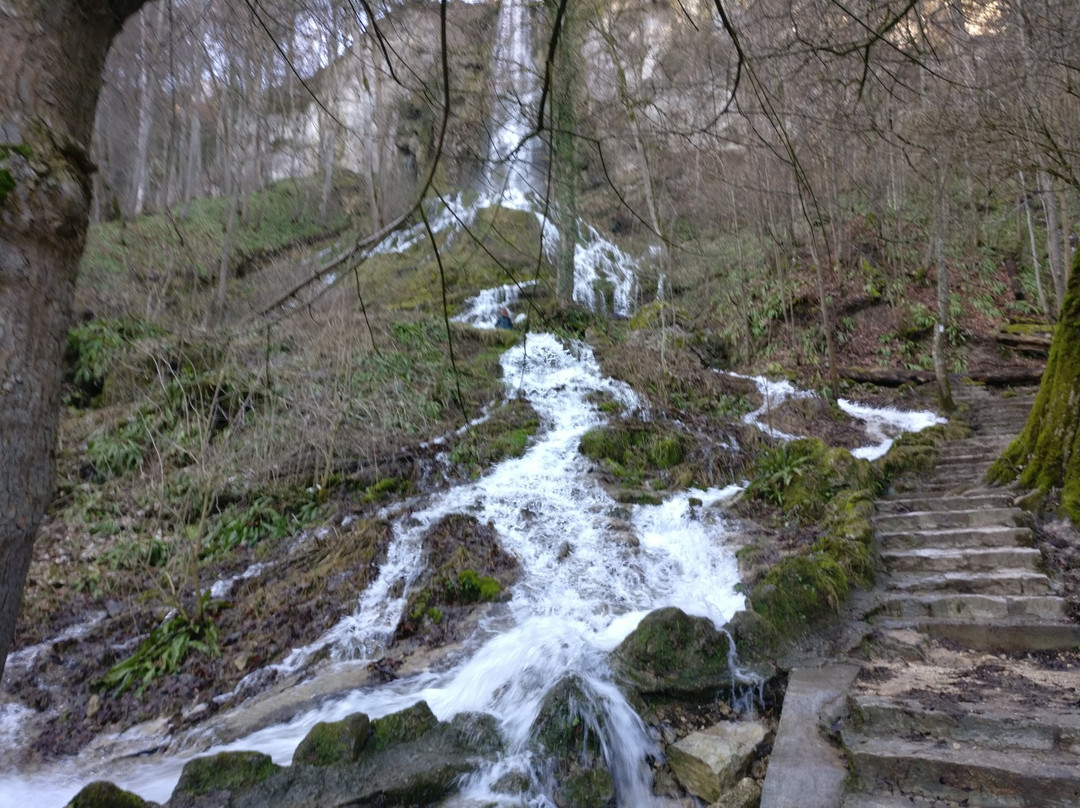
x=565 y=728
x=756 y=641
x=210 y=781
x=465 y=566
x=330 y=743
x=477 y=732
x=744 y=794
x=402 y=727
x=103 y=794
x=671 y=653
x=711 y=761
x=566 y=734
x=409 y=759
x=592 y=788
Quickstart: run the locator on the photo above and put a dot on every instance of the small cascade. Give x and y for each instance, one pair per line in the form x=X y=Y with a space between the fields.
x=483 y=310
x=882 y=424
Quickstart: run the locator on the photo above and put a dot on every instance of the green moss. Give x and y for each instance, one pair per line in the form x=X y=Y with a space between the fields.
x=402 y=727
x=592 y=788
x=329 y=744
x=635 y=451
x=673 y=653
x=474 y=588
x=225 y=771
x=103 y=794
x=800 y=589
x=503 y=435
x=7 y=184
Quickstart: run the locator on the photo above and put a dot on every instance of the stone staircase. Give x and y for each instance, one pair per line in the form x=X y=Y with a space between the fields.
x=970 y=693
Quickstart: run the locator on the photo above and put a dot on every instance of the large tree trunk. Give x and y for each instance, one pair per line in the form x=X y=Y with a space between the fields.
x=52 y=53
x=1046 y=455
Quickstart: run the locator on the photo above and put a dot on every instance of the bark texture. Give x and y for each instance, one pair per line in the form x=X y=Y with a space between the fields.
x=52 y=53
x=1046 y=455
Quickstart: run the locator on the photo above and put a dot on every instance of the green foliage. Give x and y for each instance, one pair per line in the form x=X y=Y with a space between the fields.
x=776 y=470
x=134 y=554
x=94 y=348
x=475 y=588
x=163 y=652
x=267 y=517
x=120 y=451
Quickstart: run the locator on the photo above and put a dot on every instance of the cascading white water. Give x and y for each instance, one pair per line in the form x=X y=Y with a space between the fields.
x=512 y=157
x=588 y=577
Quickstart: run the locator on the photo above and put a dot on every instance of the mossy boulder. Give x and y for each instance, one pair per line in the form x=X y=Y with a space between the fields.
x=410 y=758
x=477 y=732
x=671 y=653
x=757 y=642
x=565 y=727
x=505 y=434
x=330 y=743
x=231 y=772
x=464 y=566
x=591 y=788
x=402 y=727
x=566 y=734
x=102 y=794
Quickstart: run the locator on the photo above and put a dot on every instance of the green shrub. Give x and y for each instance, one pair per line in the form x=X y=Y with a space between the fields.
x=163 y=652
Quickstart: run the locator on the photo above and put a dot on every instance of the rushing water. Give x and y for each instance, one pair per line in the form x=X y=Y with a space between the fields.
x=589 y=574
x=591 y=568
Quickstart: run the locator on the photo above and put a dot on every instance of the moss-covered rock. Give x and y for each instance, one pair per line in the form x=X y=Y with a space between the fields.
x=477 y=732
x=672 y=653
x=402 y=727
x=591 y=788
x=465 y=565
x=330 y=743
x=565 y=727
x=504 y=434
x=226 y=771
x=102 y=794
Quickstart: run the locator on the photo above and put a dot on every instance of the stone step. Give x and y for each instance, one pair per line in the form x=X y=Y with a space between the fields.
x=950 y=538
x=971 y=517
x=999 y=582
x=1002 y=635
x=975 y=607
x=899 y=801
x=906 y=503
x=995 y=779
x=974 y=485
x=969 y=559
x=1043 y=731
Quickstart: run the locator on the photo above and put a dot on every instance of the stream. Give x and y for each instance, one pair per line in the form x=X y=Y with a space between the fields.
x=591 y=567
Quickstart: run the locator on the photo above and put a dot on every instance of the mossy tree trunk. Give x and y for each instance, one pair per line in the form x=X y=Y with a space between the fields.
x=1046 y=454
x=52 y=53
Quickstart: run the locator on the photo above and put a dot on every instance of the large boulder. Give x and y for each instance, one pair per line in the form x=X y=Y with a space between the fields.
x=330 y=743
x=566 y=734
x=102 y=794
x=216 y=780
x=712 y=761
x=673 y=654
x=405 y=759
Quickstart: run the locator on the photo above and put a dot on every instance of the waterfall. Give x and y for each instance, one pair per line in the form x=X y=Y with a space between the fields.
x=512 y=171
